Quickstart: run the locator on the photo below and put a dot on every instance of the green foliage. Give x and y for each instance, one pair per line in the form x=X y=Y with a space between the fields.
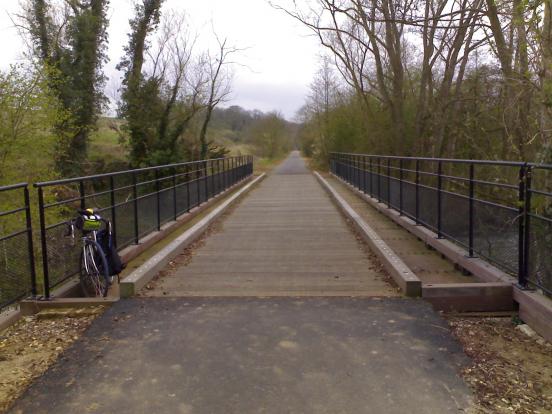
x=28 y=114
x=271 y=135
x=70 y=43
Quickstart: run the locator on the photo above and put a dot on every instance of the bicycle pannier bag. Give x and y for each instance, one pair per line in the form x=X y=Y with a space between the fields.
x=114 y=261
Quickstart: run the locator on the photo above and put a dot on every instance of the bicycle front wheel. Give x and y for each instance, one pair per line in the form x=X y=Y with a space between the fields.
x=94 y=272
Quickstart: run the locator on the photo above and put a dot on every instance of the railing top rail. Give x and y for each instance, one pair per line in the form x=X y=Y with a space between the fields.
x=452 y=160
x=13 y=186
x=117 y=173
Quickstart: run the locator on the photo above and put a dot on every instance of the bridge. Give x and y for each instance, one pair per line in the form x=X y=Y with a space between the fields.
x=288 y=295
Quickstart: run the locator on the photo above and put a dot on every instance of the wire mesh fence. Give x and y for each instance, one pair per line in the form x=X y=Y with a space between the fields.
x=497 y=210
x=137 y=202
x=17 y=270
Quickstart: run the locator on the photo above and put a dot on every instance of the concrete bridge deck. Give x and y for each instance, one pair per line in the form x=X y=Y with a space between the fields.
x=324 y=352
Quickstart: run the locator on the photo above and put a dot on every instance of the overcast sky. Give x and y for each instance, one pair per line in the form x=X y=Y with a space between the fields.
x=278 y=64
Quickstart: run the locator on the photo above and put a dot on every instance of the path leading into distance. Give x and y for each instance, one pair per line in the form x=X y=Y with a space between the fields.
x=311 y=327
x=285 y=239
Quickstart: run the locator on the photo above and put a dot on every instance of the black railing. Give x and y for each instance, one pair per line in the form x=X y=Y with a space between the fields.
x=17 y=269
x=498 y=210
x=138 y=202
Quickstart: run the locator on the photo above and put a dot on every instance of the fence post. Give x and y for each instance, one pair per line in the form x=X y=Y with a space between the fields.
x=30 y=245
x=219 y=177
x=158 y=193
x=379 y=180
x=525 y=228
x=401 y=187
x=417 y=192
x=471 y=210
x=113 y=217
x=211 y=166
x=175 y=206
x=522 y=280
x=349 y=171
x=198 y=179
x=364 y=174
x=371 y=179
x=527 y=238
x=357 y=171
x=188 y=197
x=43 y=244
x=135 y=197
x=439 y=199
x=206 y=180
x=388 y=182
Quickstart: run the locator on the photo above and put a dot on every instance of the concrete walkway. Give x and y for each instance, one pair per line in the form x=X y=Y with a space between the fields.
x=245 y=354
x=285 y=239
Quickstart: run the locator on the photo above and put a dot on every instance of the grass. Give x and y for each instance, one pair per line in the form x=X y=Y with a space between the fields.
x=105 y=143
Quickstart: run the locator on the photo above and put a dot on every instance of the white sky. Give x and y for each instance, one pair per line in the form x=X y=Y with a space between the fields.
x=279 y=62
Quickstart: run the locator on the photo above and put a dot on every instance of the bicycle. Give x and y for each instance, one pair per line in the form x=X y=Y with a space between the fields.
x=94 y=274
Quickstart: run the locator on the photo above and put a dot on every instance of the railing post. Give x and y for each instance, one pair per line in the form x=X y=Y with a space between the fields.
x=158 y=194
x=175 y=205
x=364 y=174
x=30 y=245
x=219 y=177
x=417 y=192
x=439 y=198
x=401 y=186
x=379 y=180
x=135 y=196
x=198 y=179
x=206 y=180
x=371 y=179
x=471 y=211
x=224 y=173
x=522 y=279
x=356 y=171
x=211 y=166
x=188 y=197
x=388 y=182
x=113 y=209
x=525 y=236
x=43 y=244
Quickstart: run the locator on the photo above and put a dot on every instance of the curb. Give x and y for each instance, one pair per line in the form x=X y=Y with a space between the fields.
x=409 y=283
x=135 y=281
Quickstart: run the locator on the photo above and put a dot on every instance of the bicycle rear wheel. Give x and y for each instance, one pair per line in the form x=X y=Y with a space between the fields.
x=94 y=271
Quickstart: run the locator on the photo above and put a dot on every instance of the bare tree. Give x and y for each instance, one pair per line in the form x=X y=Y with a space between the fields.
x=220 y=77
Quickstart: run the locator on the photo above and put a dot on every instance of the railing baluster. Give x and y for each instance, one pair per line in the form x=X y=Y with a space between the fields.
x=401 y=187
x=388 y=182
x=379 y=180
x=30 y=243
x=188 y=195
x=158 y=199
x=113 y=209
x=175 y=205
x=43 y=244
x=527 y=226
x=471 y=211
x=439 y=199
x=417 y=207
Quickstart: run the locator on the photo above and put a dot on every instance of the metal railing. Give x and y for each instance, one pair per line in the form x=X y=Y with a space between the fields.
x=500 y=211
x=137 y=202
x=17 y=269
